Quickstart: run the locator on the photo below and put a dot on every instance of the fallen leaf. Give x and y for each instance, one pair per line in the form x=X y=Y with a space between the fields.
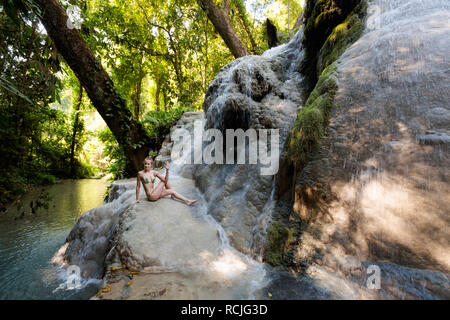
x=105 y=289
x=129 y=283
x=269 y=294
x=162 y=291
x=116 y=268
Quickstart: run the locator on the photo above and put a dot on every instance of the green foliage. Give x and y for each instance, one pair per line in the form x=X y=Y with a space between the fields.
x=86 y=170
x=159 y=53
x=114 y=154
x=6 y=85
x=279 y=238
x=157 y=125
x=44 y=179
x=277 y=12
x=161 y=56
x=27 y=86
x=34 y=135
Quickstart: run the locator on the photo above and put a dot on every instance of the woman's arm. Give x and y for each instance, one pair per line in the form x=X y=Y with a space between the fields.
x=160 y=177
x=167 y=166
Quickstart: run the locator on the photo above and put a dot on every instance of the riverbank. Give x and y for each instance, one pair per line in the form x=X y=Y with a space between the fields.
x=32 y=188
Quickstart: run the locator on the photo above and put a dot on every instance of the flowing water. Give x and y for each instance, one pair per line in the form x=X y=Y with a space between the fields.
x=395 y=79
x=404 y=53
x=28 y=243
x=385 y=158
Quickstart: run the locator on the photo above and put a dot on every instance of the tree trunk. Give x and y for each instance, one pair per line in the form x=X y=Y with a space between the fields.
x=179 y=76
x=165 y=100
x=272 y=38
x=137 y=99
x=298 y=22
x=74 y=132
x=158 y=88
x=129 y=133
x=219 y=18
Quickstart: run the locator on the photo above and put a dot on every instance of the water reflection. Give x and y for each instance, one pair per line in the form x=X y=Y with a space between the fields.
x=28 y=243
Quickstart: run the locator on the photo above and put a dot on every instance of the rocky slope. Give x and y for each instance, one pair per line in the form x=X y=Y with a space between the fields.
x=377 y=188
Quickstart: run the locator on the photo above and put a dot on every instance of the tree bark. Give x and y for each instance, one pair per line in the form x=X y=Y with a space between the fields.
x=219 y=18
x=165 y=100
x=137 y=98
x=298 y=22
x=178 y=74
x=129 y=133
x=74 y=132
x=158 y=88
x=272 y=38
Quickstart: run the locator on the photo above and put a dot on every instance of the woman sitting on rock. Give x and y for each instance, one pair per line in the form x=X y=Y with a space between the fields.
x=148 y=176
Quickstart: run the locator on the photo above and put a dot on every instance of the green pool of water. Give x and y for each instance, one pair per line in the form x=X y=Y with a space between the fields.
x=28 y=241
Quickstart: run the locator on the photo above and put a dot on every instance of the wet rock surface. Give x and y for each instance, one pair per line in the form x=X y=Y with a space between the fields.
x=160 y=250
x=89 y=240
x=164 y=233
x=253 y=92
x=346 y=278
x=381 y=174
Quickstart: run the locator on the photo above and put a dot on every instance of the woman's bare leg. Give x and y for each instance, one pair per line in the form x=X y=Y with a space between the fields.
x=175 y=194
x=156 y=193
x=167 y=185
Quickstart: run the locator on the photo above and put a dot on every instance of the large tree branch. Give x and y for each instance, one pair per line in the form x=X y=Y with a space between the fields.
x=223 y=26
x=226 y=6
x=144 y=49
x=129 y=133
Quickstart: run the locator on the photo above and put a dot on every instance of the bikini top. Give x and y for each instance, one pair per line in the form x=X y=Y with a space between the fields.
x=147 y=180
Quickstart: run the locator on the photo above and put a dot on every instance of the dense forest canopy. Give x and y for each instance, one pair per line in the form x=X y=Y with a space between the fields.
x=159 y=55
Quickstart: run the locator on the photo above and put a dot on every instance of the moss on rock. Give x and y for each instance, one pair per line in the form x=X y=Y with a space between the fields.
x=321 y=18
x=312 y=119
x=331 y=27
x=279 y=238
x=342 y=37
